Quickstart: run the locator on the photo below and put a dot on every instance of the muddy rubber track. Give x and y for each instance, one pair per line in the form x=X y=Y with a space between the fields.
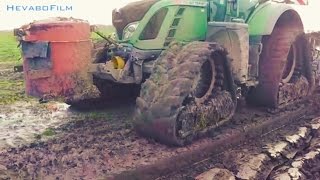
x=167 y=108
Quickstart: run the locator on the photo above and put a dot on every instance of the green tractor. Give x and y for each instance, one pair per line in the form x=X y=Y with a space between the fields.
x=195 y=59
x=192 y=60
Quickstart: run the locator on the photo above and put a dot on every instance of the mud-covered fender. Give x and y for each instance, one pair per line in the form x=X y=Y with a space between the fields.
x=265 y=16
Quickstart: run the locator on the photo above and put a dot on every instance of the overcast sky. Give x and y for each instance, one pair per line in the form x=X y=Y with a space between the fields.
x=95 y=11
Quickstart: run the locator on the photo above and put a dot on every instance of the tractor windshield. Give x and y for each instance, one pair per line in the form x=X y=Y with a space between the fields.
x=130 y=13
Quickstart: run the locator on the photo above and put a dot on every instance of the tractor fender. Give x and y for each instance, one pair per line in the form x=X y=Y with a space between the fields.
x=265 y=17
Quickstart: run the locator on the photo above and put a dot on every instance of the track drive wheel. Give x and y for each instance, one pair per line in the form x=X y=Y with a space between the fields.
x=284 y=67
x=190 y=91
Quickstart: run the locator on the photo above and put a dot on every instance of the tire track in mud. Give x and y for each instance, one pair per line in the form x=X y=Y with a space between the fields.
x=291 y=153
x=108 y=147
x=306 y=163
x=247 y=125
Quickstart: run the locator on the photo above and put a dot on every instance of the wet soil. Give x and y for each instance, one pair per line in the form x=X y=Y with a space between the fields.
x=100 y=143
x=291 y=152
x=98 y=147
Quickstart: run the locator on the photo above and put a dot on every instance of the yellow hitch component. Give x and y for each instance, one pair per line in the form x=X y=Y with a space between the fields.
x=118 y=62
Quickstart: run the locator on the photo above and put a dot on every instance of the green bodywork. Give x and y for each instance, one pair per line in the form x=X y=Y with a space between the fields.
x=264 y=18
x=237 y=25
x=260 y=15
x=184 y=30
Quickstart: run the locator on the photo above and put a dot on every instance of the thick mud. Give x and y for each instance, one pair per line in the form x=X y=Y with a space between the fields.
x=54 y=141
x=291 y=152
x=101 y=145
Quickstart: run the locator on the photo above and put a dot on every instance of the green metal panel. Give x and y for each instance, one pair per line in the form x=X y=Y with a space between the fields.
x=158 y=43
x=246 y=8
x=264 y=18
x=192 y=26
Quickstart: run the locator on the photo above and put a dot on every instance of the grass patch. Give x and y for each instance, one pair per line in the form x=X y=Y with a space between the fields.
x=9 y=52
x=96 y=115
x=49 y=132
x=11 y=91
x=106 y=30
x=11 y=84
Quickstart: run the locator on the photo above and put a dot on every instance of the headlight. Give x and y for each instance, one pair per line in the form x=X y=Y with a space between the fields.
x=129 y=30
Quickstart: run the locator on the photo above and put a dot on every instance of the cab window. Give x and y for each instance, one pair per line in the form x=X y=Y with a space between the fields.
x=152 y=29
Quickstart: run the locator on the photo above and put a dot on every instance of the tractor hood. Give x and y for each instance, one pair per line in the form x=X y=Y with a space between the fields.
x=130 y=13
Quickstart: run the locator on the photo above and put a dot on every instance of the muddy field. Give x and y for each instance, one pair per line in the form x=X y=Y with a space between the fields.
x=55 y=141
x=291 y=152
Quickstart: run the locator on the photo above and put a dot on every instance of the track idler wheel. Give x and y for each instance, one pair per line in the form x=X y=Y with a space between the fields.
x=189 y=92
